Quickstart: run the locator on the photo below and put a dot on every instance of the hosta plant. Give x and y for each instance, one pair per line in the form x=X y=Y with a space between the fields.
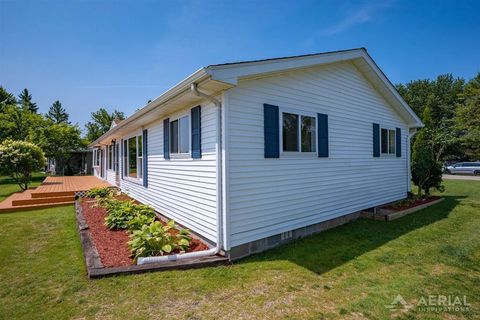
x=99 y=192
x=126 y=214
x=139 y=221
x=158 y=239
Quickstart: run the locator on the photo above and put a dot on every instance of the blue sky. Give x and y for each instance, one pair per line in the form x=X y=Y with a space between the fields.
x=119 y=54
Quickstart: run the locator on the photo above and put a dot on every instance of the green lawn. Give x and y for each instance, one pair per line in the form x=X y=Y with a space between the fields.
x=8 y=186
x=349 y=272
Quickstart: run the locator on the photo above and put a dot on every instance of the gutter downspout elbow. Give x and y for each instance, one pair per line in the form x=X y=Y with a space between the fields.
x=219 y=244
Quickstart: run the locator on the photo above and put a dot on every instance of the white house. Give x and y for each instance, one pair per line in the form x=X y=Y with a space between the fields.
x=252 y=154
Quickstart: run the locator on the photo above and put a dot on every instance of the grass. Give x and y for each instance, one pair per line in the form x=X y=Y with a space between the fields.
x=349 y=272
x=8 y=185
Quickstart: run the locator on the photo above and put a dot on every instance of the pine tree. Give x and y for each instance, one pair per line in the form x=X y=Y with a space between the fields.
x=6 y=98
x=25 y=101
x=57 y=113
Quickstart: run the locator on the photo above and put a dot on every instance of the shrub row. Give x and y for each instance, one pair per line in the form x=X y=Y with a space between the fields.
x=99 y=192
x=148 y=237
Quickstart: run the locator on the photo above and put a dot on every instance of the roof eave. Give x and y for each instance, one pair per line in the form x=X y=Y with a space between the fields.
x=180 y=87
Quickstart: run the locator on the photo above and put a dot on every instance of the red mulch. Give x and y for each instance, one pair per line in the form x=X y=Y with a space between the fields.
x=411 y=205
x=112 y=245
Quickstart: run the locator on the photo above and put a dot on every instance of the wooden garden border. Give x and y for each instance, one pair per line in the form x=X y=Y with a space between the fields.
x=95 y=268
x=389 y=215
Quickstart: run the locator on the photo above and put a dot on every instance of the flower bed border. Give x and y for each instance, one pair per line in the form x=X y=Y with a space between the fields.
x=389 y=215
x=95 y=268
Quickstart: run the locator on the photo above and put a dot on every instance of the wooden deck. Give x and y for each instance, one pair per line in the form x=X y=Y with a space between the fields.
x=53 y=191
x=67 y=186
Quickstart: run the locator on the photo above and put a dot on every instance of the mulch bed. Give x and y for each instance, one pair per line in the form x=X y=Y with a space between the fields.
x=112 y=245
x=411 y=205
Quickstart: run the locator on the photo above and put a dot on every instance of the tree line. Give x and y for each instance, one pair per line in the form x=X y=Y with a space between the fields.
x=448 y=106
x=53 y=131
x=450 y=110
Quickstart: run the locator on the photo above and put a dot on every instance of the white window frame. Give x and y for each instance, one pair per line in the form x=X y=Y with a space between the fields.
x=388 y=154
x=178 y=155
x=126 y=157
x=112 y=156
x=299 y=113
x=96 y=157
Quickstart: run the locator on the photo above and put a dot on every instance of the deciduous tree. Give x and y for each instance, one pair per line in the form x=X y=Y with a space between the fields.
x=426 y=165
x=467 y=120
x=101 y=122
x=19 y=159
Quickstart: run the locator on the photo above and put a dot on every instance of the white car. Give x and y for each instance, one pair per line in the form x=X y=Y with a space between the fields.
x=464 y=168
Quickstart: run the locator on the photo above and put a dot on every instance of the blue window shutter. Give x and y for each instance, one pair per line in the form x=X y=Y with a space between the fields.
x=398 y=141
x=196 y=132
x=322 y=135
x=123 y=159
x=145 y=157
x=376 y=140
x=166 y=138
x=271 y=131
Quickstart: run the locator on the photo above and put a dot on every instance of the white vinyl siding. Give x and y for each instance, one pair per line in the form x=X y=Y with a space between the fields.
x=183 y=189
x=270 y=196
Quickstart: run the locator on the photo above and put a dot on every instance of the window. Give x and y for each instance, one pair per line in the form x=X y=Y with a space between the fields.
x=134 y=158
x=96 y=157
x=110 y=156
x=140 y=156
x=298 y=133
x=308 y=134
x=180 y=135
x=388 y=141
x=125 y=162
x=290 y=132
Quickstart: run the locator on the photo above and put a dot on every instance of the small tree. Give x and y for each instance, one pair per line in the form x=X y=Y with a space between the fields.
x=426 y=164
x=19 y=159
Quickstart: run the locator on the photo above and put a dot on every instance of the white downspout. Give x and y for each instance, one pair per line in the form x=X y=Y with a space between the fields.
x=218 y=149
x=411 y=133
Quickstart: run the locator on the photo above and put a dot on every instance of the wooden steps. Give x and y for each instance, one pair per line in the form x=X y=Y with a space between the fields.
x=54 y=191
x=53 y=194
x=34 y=207
x=22 y=201
x=25 y=202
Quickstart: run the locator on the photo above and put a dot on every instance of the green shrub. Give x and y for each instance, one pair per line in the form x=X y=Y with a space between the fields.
x=126 y=214
x=19 y=159
x=157 y=239
x=99 y=192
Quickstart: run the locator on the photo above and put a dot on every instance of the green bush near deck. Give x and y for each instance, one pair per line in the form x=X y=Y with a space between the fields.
x=99 y=192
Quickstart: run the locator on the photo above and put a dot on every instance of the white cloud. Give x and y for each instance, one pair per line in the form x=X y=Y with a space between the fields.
x=356 y=16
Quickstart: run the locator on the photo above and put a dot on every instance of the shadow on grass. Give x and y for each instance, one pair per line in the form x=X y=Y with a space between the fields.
x=327 y=250
x=8 y=180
